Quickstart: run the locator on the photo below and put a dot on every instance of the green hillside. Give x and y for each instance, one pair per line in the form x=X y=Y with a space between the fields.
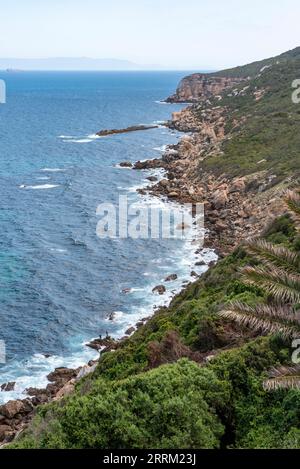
x=263 y=123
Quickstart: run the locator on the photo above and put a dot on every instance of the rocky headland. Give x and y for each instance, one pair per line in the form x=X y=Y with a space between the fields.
x=201 y=86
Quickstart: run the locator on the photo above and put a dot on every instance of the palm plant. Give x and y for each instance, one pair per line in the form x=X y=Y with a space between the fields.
x=278 y=274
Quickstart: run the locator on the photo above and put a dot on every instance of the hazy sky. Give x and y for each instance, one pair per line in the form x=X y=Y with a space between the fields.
x=187 y=34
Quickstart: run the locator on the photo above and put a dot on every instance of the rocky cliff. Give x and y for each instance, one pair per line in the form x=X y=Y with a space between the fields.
x=199 y=86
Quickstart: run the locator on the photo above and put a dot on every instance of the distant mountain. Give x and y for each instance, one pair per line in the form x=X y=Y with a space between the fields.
x=69 y=63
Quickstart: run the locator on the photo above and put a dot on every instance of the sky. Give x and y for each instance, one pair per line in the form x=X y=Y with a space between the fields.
x=185 y=34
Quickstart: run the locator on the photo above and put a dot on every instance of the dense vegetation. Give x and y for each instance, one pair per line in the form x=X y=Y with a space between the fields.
x=160 y=390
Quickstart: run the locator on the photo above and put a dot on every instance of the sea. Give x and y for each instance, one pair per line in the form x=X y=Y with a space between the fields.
x=60 y=284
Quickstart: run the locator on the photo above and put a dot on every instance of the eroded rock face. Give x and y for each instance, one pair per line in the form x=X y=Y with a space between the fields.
x=200 y=86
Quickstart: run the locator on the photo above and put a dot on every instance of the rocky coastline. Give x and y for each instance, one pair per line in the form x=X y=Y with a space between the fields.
x=236 y=208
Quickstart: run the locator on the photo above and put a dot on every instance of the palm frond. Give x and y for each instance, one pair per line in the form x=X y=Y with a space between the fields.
x=292 y=200
x=284 y=287
x=265 y=319
x=277 y=256
x=283 y=378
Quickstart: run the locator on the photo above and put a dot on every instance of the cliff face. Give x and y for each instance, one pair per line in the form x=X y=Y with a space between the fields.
x=198 y=87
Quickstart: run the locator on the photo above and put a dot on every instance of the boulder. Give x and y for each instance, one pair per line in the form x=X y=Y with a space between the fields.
x=4 y=431
x=220 y=226
x=6 y=387
x=238 y=185
x=200 y=263
x=171 y=278
x=164 y=183
x=130 y=331
x=220 y=199
x=61 y=374
x=159 y=289
x=126 y=164
x=194 y=274
x=66 y=390
x=12 y=408
x=152 y=178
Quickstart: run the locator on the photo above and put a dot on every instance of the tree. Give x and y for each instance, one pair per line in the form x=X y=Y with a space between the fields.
x=278 y=274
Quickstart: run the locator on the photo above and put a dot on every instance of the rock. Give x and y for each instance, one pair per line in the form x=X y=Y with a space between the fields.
x=220 y=199
x=220 y=226
x=66 y=390
x=4 y=431
x=134 y=128
x=194 y=274
x=164 y=183
x=152 y=178
x=126 y=164
x=173 y=194
x=99 y=344
x=85 y=371
x=160 y=289
x=12 y=408
x=198 y=87
x=171 y=278
x=130 y=331
x=9 y=436
x=34 y=392
x=126 y=291
x=61 y=374
x=148 y=164
x=6 y=387
x=238 y=185
x=200 y=263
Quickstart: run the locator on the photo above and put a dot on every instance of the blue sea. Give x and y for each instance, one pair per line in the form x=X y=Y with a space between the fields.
x=58 y=281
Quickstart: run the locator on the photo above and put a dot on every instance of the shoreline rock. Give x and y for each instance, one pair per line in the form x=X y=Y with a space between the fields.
x=134 y=128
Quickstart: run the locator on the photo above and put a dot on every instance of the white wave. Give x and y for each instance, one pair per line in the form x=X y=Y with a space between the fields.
x=66 y=136
x=39 y=187
x=161 y=102
x=80 y=140
x=61 y=251
x=162 y=123
x=52 y=170
x=33 y=372
x=44 y=178
x=161 y=149
x=94 y=136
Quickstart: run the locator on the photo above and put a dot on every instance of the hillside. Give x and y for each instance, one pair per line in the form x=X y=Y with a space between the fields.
x=189 y=377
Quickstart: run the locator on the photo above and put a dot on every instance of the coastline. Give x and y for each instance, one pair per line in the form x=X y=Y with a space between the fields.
x=16 y=414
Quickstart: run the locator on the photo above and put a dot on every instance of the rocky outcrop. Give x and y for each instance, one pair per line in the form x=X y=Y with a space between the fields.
x=134 y=128
x=201 y=86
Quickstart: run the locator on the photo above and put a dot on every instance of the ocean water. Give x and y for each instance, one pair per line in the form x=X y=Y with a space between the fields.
x=58 y=281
